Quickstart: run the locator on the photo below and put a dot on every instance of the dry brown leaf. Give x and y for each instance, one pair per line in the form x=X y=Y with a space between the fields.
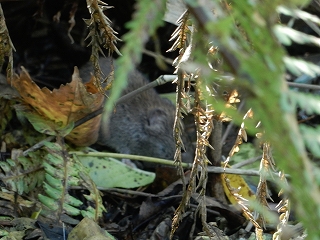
x=91 y=86
x=63 y=106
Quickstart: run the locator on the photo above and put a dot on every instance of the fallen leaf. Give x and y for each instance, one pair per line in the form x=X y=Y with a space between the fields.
x=62 y=107
x=88 y=229
x=108 y=172
x=242 y=188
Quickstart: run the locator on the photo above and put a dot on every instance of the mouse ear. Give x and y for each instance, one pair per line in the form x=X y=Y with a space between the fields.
x=157 y=120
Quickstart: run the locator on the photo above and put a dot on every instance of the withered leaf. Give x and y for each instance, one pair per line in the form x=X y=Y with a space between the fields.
x=62 y=106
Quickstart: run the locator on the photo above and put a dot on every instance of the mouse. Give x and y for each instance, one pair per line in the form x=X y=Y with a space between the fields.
x=143 y=125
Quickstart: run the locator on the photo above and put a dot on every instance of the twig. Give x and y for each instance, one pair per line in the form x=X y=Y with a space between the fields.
x=170 y=163
x=138 y=193
x=128 y=191
x=246 y=162
x=159 y=81
x=304 y=86
x=132 y=157
x=236 y=171
x=38 y=145
x=154 y=55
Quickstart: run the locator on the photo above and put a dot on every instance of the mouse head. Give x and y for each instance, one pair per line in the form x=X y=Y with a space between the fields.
x=159 y=129
x=158 y=140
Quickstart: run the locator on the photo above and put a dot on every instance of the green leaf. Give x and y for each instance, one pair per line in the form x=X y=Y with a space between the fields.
x=311 y=138
x=71 y=210
x=54 y=182
x=49 y=202
x=51 y=170
x=51 y=192
x=44 y=125
x=72 y=200
x=23 y=174
x=299 y=14
x=306 y=101
x=299 y=67
x=109 y=172
x=287 y=35
x=61 y=172
x=246 y=151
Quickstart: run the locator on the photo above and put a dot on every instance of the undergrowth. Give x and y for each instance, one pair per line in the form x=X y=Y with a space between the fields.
x=248 y=38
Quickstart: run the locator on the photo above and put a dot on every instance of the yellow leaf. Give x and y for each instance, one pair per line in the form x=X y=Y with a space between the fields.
x=238 y=183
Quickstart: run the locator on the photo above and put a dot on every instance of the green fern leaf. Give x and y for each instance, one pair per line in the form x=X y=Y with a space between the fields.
x=311 y=139
x=70 y=210
x=90 y=212
x=287 y=36
x=52 y=192
x=54 y=181
x=299 y=67
x=48 y=202
x=299 y=14
x=307 y=102
x=62 y=172
x=43 y=124
x=22 y=174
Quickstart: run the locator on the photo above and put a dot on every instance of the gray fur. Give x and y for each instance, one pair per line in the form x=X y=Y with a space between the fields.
x=143 y=125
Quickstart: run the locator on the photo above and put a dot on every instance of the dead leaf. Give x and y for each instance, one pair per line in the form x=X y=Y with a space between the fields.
x=91 y=87
x=63 y=106
x=88 y=229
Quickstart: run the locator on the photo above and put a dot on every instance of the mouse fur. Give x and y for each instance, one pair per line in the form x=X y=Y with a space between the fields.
x=143 y=125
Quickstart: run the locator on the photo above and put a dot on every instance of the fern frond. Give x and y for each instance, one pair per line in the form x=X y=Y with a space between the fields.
x=182 y=89
x=22 y=174
x=287 y=36
x=283 y=209
x=204 y=126
x=181 y=33
x=306 y=101
x=96 y=211
x=298 y=14
x=299 y=67
x=242 y=136
x=311 y=138
x=63 y=172
x=56 y=183
x=177 y=127
x=266 y=168
x=100 y=29
x=101 y=33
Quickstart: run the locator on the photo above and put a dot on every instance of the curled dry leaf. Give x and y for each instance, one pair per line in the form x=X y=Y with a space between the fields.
x=63 y=106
